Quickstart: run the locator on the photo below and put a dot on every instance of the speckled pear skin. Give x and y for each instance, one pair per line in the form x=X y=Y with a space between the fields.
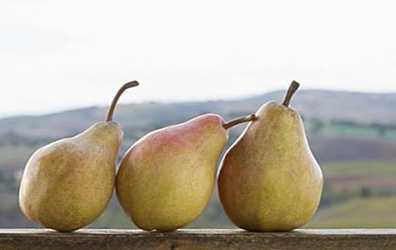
x=67 y=184
x=166 y=178
x=269 y=179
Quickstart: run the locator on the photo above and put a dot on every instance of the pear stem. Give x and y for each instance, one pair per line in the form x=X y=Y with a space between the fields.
x=239 y=120
x=290 y=92
x=110 y=111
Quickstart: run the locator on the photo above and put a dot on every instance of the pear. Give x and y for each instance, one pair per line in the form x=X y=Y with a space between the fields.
x=67 y=184
x=166 y=178
x=269 y=179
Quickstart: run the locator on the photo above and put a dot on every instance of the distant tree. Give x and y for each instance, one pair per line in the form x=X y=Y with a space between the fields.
x=317 y=125
x=365 y=192
x=381 y=130
x=2 y=176
x=345 y=123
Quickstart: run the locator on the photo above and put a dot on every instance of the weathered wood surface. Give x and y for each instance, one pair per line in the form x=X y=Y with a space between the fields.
x=98 y=239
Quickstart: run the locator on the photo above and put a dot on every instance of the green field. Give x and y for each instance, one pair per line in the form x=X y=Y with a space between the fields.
x=375 y=212
x=362 y=131
x=375 y=167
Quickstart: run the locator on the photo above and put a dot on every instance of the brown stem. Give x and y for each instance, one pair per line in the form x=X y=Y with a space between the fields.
x=290 y=92
x=239 y=120
x=110 y=111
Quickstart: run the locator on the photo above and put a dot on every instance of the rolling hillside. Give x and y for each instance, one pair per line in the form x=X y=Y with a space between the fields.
x=345 y=121
x=378 y=212
x=359 y=108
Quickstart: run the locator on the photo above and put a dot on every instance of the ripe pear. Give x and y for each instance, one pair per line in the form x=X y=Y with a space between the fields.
x=166 y=178
x=67 y=184
x=269 y=179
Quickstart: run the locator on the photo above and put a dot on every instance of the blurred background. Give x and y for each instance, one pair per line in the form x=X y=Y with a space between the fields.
x=62 y=62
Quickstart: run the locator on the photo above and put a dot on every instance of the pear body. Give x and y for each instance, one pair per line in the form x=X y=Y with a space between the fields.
x=68 y=183
x=269 y=179
x=165 y=180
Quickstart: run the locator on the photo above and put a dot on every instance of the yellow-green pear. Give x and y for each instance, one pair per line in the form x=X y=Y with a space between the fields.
x=166 y=178
x=269 y=179
x=67 y=184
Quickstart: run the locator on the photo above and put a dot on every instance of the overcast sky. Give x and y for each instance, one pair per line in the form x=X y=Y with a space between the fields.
x=56 y=56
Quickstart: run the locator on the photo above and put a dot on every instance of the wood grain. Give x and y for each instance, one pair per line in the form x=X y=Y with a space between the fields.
x=99 y=239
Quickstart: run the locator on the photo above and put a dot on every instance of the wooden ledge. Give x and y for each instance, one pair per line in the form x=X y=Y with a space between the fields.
x=191 y=239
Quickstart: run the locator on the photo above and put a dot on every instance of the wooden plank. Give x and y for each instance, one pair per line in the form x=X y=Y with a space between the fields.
x=99 y=239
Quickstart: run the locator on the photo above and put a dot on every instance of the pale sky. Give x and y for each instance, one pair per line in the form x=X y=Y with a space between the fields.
x=60 y=55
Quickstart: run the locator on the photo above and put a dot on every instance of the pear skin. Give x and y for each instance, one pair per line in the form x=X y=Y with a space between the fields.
x=67 y=184
x=269 y=179
x=166 y=178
